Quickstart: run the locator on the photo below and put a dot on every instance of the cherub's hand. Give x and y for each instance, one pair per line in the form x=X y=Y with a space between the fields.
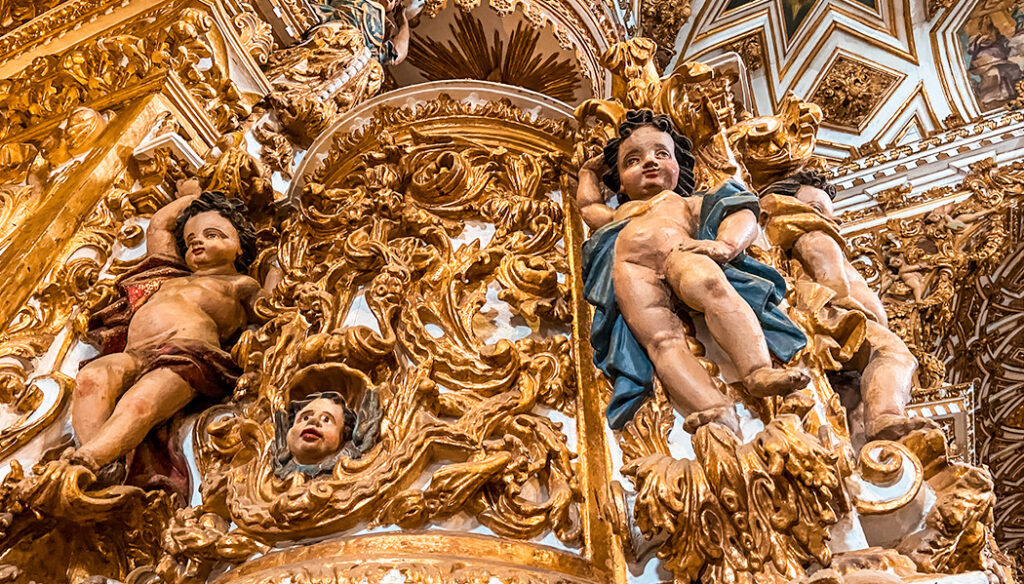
x=186 y=187
x=716 y=250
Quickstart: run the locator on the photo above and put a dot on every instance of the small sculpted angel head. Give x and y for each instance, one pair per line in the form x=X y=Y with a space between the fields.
x=214 y=234
x=648 y=157
x=320 y=426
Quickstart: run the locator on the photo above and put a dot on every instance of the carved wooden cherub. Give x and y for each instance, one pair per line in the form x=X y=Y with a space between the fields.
x=163 y=342
x=318 y=427
x=914 y=276
x=805 y=228
x=663 y=244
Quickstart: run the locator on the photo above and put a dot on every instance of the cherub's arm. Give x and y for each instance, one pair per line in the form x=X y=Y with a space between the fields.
x=735 y=234
x=160 y=233
x=589 y=196
x=737 y=231
x=826 y=263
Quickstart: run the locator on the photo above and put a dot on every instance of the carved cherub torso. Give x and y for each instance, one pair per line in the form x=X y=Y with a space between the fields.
x=656 y=227
x=207 y=308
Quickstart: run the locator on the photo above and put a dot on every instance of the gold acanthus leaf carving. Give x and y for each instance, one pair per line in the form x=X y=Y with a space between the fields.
x=762 y=509
x=386 y=233
x=661 y=21
x=919 y=262
x=14 y=14
x=751 y=49
x=317 y=80
x=928 y=265
x=851 y=90
x=54 y=85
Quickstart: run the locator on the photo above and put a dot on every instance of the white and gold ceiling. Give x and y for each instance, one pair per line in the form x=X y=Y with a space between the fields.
x=886 y=72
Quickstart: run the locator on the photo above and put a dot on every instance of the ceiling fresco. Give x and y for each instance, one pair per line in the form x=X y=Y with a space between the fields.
x=794 y=12
x=993 y=50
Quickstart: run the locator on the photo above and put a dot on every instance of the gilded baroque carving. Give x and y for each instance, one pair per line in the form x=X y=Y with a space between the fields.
x=851 y=90
x=417 y=356
x=750 y=49
x=319 y=79
x=13 y=15
x=393 y=246
x=934 y=6
x=701 y=512
x=56 y=84
x=255 y=35
x=661 y=20
x=929 y=267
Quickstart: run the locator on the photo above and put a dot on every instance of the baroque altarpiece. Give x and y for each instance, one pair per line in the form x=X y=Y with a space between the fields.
x=391 y=377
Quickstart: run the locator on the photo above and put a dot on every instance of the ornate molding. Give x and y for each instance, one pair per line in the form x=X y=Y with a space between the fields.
x=123 y=60
x=851 y=91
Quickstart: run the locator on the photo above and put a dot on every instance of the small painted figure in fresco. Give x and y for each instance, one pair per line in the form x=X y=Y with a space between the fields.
x=662 y=245
x=318 y=428
x=801 y=220
x=384 y=26
x=990 y=53
x=162 y=342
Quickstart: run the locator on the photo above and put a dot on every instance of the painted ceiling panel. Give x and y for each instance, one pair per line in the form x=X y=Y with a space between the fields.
x=885 y=72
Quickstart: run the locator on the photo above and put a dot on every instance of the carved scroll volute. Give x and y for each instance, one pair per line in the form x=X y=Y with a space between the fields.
x=772 y=147
x=386 y=228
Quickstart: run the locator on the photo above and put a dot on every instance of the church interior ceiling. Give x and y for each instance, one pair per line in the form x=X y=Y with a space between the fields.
x=885 y=72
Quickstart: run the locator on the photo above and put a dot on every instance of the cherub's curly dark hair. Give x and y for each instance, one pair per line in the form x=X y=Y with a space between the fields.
x=349 y=415
x=792 y=183
x=232 y=210
x=634 y=120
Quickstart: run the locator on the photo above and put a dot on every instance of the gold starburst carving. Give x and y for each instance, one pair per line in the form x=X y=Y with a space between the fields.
x=471 y=55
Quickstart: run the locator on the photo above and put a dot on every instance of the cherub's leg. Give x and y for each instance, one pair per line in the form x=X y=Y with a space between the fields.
x=646 y=304
x=700 y=282
x=154 y=398
x=885 y=386
x=97 y=387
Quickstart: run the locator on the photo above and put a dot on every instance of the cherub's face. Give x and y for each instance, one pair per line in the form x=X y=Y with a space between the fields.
x=211 y=241
x=647 y=163
x=817 y=199
x=316 y=432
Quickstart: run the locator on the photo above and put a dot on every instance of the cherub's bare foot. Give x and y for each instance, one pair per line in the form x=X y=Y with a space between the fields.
x=76 y=456
x=894 y=426
x=108 y=475
x=769 y=381
x=724 y=415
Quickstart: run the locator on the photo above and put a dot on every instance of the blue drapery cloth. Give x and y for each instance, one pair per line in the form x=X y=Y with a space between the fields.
x=617 y=352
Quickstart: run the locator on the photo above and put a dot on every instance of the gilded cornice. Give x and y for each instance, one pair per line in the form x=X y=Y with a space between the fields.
x=931 y=143
x=60 y=19
x=173 y=44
